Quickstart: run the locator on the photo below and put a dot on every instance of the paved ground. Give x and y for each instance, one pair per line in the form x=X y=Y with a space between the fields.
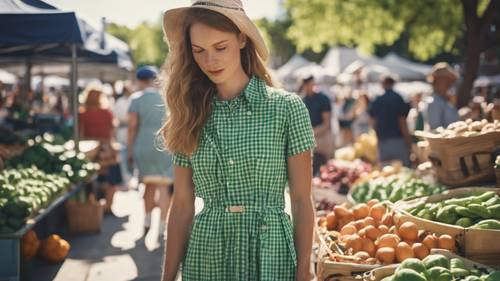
x=118 y=253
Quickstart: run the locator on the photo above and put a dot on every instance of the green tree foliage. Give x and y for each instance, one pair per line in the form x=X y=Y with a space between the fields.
x=429 y=26
x=432 y=26
x=145 y=41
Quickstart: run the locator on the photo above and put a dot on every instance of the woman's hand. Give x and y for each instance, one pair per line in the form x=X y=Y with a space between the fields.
x=130 y=162
x=303 y=275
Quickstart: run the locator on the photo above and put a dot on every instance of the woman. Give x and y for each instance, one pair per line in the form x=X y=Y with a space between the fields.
x=146 y=113
x=320 y=111
x=96 y=123
x=236 y=141
x=361 y=123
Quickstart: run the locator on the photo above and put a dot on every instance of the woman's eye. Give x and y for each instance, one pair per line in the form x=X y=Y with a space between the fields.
x=197 y=51
x=220 y=49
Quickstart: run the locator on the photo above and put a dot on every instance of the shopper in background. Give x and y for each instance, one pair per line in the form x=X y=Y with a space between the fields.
x=388 y=113
x=96 y=123
x=320 y=111
x=120 y=111
x=146 y=114
x=361 y=124
x=440 y=112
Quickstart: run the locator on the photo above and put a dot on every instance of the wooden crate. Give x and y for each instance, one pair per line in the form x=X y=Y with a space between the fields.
x=475 y=244
x=382 y=272
x=463 y=161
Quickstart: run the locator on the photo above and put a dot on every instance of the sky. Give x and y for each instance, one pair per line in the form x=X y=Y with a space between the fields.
x=133 y=12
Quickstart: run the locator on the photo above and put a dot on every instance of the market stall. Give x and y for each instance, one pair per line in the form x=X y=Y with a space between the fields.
x=397 y=223
x=37 y=177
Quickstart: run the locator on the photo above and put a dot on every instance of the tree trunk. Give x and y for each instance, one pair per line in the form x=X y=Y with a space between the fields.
x=476 y=34
x=471 y=69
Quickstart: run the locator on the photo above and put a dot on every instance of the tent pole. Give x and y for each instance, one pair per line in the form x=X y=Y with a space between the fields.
x=26 y=85
x=74 y=93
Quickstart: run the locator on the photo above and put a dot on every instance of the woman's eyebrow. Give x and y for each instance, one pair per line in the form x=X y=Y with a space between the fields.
x=217 y=43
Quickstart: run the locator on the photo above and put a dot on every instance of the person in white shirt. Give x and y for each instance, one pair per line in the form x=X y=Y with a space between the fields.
x=120 y=111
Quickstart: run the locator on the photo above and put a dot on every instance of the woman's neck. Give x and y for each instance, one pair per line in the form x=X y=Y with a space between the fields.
x=233 y=86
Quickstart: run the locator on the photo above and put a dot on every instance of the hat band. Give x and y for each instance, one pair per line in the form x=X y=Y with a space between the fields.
x=202 y=3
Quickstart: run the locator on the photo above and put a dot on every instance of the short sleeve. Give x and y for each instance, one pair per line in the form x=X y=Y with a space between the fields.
x=434 y=114
x=181 y=160
x=326 y=105
x=450 y=115
x=133 y=107
x=300 y=136
x=404 y=109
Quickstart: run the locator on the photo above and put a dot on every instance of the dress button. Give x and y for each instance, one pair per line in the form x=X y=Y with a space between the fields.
x=231 y=162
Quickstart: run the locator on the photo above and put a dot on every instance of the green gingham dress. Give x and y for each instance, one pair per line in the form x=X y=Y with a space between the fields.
x=240 y=172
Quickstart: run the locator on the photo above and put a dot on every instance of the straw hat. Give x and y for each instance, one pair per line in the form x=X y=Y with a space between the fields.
x=442 y=69
x=232 y=9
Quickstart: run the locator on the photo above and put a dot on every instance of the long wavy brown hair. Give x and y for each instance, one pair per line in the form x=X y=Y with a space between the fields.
x=188 y=92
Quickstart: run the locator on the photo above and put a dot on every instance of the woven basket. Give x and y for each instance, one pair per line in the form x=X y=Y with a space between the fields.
x=464 y=161
x=497 y=173
x=84 y=217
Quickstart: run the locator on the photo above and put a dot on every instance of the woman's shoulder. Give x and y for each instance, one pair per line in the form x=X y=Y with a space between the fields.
x=283 y=97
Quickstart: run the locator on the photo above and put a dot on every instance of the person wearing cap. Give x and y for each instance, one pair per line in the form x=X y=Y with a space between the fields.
x=388 y=114
x=236 y=142
x=441 y=113
x=146 y=113
x=320 y=111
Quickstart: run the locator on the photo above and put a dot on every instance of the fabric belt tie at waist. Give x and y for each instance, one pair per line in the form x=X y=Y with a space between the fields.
x=244 y=209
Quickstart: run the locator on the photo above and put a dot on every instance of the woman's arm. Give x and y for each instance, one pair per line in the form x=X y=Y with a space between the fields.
x=299 y=179
x=325 y=127
x=179 y=222
x=132 y=132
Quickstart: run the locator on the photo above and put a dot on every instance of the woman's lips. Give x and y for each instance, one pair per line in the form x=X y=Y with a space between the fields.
x=216 y=72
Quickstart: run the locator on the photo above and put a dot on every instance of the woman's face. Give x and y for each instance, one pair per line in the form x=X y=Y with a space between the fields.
x=216 y=52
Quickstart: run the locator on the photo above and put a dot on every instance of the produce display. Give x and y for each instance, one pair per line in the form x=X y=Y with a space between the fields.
x=364 y=148
x=53 y=158
x=438 y=267
x=394 y=188
x=370 y=234
x=474 y=211
x=340 y=175
x=468 y=128
x=23 y=192
x=9 y=137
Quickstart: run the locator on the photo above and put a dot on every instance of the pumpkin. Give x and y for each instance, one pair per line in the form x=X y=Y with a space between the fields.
x=54 y=248
x=29 y=245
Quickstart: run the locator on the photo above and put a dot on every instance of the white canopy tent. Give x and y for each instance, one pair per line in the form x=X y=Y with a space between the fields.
x=7 y=77
x=394 y=59
x=485 y=81
x=296 y=62
x=374 y=67
x=337 y=59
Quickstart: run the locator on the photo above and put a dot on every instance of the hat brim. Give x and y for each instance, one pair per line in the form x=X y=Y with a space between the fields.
x=449 y=75
x=173 y=20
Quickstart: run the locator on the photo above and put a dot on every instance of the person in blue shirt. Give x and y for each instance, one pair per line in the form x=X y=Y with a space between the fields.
x=145 y=116
x=440 y=112
x=388 y=116
x=320 y=112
